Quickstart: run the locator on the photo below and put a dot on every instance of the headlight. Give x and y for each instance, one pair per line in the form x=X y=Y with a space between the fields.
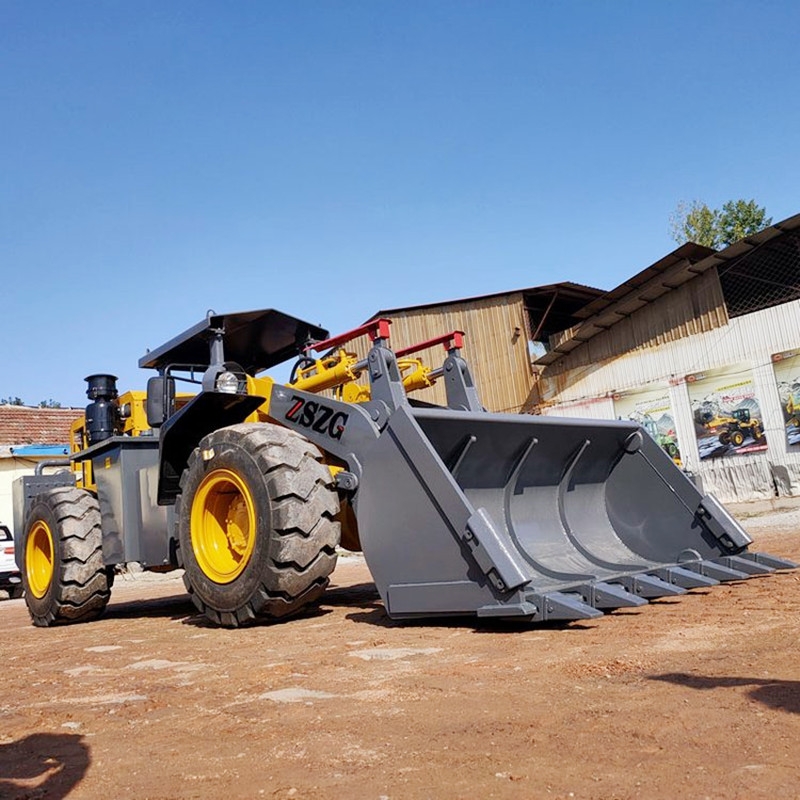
x=228 y=382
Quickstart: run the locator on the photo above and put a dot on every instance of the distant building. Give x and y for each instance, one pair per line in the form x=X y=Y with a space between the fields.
x=27 y=437
x=702 y=348
x=503 y=332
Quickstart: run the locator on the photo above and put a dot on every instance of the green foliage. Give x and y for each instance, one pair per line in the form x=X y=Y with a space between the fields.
x=18 y=401
x=717 y=228
x=740 y=218
x=695 y=222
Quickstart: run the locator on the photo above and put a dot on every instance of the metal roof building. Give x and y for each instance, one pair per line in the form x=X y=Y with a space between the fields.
x=27 y=436
x=500 y=329
x=691 y=346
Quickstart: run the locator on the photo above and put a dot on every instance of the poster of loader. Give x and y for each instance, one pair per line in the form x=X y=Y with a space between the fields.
x=787 y=377
x=652 y=410
x=727 y=417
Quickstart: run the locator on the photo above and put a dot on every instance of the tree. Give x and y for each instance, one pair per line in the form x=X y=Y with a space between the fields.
x=740 y=218
x=11 y=401
x=49 y=404
x=695 y=222
x=717 y=227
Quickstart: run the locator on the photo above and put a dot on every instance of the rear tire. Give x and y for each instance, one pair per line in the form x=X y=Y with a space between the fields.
x=256 y=524
x=63 y=574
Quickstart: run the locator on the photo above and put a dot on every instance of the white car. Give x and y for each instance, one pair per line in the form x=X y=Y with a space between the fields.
x=10 y=578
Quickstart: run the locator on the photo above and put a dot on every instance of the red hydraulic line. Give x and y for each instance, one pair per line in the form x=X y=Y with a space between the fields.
x=451 y=341
x=376 y=329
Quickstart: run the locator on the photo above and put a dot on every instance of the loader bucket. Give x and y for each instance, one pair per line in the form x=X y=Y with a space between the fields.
x=537 y=518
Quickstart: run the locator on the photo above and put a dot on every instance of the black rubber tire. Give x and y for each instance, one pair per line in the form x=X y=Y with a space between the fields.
x=79 y=589
x=296 y=505
x=737 y=438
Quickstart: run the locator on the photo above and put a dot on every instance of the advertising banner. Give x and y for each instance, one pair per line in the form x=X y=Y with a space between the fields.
x=787 y=377
x=727 y=416
x=652 y=410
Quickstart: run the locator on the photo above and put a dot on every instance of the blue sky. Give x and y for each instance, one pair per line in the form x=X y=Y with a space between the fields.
x=331 y=159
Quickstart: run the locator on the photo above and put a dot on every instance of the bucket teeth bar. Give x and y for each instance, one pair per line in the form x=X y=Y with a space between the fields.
x=745 y=565
x=648 y=586
x=609 y=596
x=769 y=561
x=719 y=572
x=562 y=606
x=678 y=576
x=550 y=607
x=593 y=599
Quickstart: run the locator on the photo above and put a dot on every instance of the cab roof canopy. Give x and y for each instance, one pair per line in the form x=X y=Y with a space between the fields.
x=256 y=340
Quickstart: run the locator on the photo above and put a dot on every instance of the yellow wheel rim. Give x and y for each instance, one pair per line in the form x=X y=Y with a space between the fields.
x=223 y=521
x=39 y=559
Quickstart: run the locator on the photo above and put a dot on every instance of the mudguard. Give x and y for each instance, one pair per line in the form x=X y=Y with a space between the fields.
x=180 y=434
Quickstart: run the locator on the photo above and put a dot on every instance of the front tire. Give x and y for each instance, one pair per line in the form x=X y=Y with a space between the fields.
x=257 y=532
x=63 y=574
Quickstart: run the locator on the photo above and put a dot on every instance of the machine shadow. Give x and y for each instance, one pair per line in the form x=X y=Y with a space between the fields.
x=43 y=765
x=357 y=594
x=176 y=606
x=376 y=615
x=368 y=608
x=197 y=620
x=365 y=602
x=782 y=695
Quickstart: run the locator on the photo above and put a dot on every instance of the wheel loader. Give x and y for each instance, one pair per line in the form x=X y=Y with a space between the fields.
x=735 y=427
x=666 y=441
x=250 y=485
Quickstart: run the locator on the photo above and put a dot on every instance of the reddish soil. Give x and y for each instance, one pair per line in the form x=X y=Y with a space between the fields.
x=692 y=697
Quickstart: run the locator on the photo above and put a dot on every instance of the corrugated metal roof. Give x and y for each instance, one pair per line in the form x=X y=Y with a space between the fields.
x=590 y=293
x=750 y=243
x=645 y=284
x=665 y=275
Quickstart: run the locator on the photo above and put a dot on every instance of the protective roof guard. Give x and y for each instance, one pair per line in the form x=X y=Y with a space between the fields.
x=257 y=340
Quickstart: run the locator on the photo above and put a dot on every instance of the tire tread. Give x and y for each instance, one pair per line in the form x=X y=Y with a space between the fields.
x=304 y=531
x=81 y=589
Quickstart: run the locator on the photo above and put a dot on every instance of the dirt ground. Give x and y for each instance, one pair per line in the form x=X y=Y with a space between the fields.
x=692 y=697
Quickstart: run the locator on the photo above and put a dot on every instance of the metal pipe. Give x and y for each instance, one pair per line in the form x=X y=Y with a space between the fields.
x=51 y=462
